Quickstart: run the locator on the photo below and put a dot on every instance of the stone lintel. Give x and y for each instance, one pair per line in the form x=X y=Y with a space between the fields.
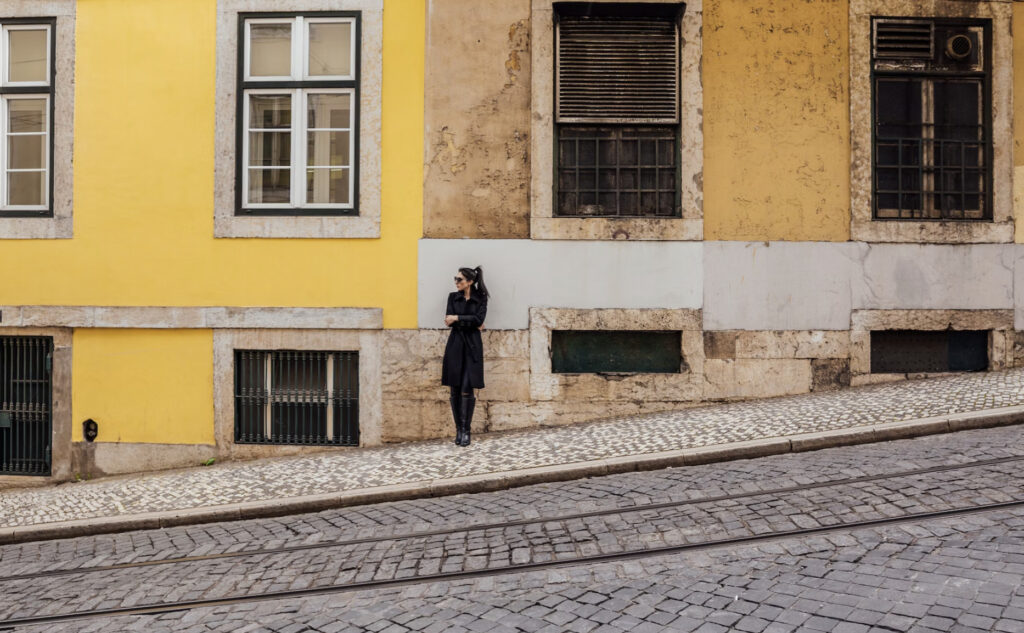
x=208 y=317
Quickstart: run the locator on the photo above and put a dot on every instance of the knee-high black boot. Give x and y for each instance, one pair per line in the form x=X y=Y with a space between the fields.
x=468 y=404
x=457 y=414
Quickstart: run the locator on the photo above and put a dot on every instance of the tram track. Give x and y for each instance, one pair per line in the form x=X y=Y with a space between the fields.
x=516 y=522
x=187 y=605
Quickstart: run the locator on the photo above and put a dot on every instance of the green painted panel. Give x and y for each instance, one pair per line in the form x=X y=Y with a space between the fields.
x=614 y=351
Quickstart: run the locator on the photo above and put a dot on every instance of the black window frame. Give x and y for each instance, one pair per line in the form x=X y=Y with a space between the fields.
x=985 y=75
x=673 y=11
x=51 y=22
x=243 y=85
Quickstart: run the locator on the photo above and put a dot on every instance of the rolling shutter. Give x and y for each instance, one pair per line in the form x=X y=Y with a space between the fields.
x=617 y=70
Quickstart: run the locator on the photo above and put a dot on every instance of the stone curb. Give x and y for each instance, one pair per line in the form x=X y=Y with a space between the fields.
x=490 y=482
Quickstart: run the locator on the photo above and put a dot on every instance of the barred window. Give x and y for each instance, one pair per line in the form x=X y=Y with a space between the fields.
x=297 y=397
x=617 y=110
x=932 y=120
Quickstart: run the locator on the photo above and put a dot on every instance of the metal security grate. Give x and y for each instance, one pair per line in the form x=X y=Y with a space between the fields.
x=26 y=396
x=617 y=69
x=297 y=397
x=903 y=39
x=913 y=351
x=616 y=171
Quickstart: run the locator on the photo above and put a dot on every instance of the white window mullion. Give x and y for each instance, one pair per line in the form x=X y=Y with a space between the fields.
x=245 y=148
x=298 y=39
x=298 y=158
x=3 y=151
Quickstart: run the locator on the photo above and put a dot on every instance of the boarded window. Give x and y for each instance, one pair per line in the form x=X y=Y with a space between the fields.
x=586 y=351
x=914 y=351
x=297 y=397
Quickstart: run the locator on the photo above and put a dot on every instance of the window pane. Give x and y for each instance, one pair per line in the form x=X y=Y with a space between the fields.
x=26 y=115
x=26 y=187
x=26 y=152
x=330 y=49
x=330 y=111
x=27 y=55
x=267 y=186
x=898 y=108
x=328 y=148
x=270 y=112
x=327 y=186
x=270 y=50
x=270 y=149
x=958 y=110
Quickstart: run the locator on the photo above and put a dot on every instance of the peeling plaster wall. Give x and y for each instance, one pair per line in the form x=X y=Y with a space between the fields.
x=776 y=120
x=477 y=120
x=1018 y=119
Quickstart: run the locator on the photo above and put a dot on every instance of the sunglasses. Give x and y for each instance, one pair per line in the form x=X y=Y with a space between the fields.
x=459 y=280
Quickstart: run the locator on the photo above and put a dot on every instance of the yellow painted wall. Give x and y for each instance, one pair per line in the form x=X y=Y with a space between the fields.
x=144 y=385
x=143 y=214
x=1018 y=121
x=776 y=120
x=143 y=180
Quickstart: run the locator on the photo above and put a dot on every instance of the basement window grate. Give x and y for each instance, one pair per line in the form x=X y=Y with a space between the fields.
x=615 y=351
x=297 y=397
x=916 y=351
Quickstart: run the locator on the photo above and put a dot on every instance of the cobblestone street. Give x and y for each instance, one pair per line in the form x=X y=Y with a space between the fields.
x=950 y=573
x=417 y=465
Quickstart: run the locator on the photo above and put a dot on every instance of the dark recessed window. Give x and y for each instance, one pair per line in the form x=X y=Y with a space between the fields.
x=931 y=89
x=298 y=114
x=617 y=109
x=599 y=351
x=915 y=351
x=297 y=397
x=26 y=118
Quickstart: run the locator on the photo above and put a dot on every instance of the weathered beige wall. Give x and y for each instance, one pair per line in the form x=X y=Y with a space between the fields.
x=477 y=119
x=1018 y=119
x=776 y=120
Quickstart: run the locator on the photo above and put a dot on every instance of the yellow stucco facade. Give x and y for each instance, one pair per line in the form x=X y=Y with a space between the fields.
x=776 y=110
x=143 y=216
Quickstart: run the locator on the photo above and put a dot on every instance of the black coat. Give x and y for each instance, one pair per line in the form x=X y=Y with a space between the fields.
x=464 y=341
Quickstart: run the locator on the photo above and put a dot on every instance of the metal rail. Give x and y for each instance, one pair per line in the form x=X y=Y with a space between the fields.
x=185 y=605
x=518 y=522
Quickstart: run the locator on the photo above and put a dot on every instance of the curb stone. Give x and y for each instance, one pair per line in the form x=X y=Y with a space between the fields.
x=490 y=482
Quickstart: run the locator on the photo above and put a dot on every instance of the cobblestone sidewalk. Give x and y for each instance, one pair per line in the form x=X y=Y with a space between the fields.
x=423 y=468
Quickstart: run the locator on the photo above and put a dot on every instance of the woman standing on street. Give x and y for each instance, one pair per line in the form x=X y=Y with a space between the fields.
x=463 y=367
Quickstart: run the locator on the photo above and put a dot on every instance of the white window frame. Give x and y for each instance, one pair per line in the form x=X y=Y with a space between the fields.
x=300 y=115
x=4 y=108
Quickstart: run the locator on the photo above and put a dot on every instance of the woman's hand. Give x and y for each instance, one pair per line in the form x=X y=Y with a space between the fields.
x=451 y=318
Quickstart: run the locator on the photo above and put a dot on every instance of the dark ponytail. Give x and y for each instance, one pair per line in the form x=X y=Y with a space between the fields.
x=476 y=275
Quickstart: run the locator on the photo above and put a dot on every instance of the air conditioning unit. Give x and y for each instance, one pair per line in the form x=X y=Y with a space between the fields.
x=922 y=44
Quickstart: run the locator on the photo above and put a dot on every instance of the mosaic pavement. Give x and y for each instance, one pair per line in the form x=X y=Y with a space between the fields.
x=424 y=461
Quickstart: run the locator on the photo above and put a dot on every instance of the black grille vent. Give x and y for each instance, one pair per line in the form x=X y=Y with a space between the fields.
x=617 y=70
x=903 y=40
